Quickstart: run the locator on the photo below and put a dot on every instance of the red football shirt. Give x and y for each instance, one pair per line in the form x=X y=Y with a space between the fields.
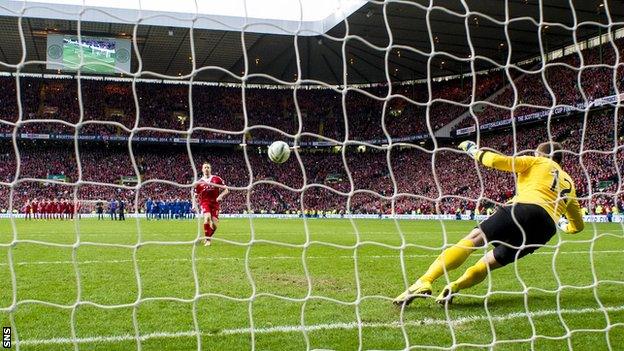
x=206 y=190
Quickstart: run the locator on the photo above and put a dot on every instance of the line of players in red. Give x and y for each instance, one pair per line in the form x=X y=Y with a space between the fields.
x=50 y=209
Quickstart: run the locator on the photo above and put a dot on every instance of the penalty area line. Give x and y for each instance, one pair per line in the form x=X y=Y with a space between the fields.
x=315 y=327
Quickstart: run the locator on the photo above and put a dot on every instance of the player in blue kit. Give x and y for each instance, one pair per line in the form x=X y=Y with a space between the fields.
x=156 y=209
x=164 y=209
x=149 y=207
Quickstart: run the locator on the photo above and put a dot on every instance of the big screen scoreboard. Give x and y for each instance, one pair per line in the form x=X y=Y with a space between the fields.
x=92 y=55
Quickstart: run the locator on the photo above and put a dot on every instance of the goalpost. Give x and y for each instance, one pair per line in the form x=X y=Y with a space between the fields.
x=437 y=186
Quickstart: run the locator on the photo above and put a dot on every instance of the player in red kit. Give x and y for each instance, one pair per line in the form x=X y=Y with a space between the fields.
x=73 y=207
x=34 y=206
x=55 y=209
x=209 y=197
x=62 y=209
x=27 y=209
x=45 y=209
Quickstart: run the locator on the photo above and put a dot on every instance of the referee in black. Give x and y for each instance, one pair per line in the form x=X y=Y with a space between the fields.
x=122 y=210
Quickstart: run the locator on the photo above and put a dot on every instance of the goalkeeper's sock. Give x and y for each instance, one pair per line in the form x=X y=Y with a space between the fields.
x=473 y=276
x=450 y=259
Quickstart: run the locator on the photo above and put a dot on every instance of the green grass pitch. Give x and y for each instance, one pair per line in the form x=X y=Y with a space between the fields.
x=243 y=281
x=91 y=63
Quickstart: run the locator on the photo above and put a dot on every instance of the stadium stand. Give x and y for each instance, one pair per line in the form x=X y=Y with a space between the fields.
x=218 y=113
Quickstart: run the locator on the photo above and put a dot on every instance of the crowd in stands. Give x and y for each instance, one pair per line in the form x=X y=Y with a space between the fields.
x=570 y=82
x=412 y=109
x=409 y=179
x=220 y=113
x=421 y=179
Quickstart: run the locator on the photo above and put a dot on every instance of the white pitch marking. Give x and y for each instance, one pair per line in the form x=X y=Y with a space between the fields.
x=28 y=263
x=258 y=234
x=316 y=327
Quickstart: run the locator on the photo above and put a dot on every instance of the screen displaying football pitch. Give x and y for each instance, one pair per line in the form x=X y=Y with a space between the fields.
x=92 y=55
x=98 y=54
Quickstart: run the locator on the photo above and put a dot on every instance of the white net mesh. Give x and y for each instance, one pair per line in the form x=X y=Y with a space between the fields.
x=304 y=283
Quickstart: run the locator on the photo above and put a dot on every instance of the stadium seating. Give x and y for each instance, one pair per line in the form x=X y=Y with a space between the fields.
x=166 y=106
x=600 y=75
x=414 y=169
x=218 y=112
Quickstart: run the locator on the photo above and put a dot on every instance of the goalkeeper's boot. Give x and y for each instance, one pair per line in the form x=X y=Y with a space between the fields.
x=447 y=294
x=419 y=289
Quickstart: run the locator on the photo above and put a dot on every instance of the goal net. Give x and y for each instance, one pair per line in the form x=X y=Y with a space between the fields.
x=101 y=237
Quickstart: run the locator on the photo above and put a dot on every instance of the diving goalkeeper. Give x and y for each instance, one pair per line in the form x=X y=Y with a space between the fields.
x=544 y=193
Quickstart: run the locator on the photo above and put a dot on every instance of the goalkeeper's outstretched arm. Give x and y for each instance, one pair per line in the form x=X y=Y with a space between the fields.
x=516 y=164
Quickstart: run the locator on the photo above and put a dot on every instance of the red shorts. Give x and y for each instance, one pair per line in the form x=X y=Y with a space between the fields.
x=213 y=209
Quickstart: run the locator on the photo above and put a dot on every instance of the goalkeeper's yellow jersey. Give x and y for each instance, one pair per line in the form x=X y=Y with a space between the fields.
x=541 y=181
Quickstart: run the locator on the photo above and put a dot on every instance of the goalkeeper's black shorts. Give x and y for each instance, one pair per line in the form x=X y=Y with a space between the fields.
x=507 y=235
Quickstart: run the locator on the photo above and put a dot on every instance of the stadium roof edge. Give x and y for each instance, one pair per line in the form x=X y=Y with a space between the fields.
x=302 y=17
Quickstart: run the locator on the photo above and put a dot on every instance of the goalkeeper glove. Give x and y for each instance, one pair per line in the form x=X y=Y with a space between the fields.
x=470 y=148
x=563 y=224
